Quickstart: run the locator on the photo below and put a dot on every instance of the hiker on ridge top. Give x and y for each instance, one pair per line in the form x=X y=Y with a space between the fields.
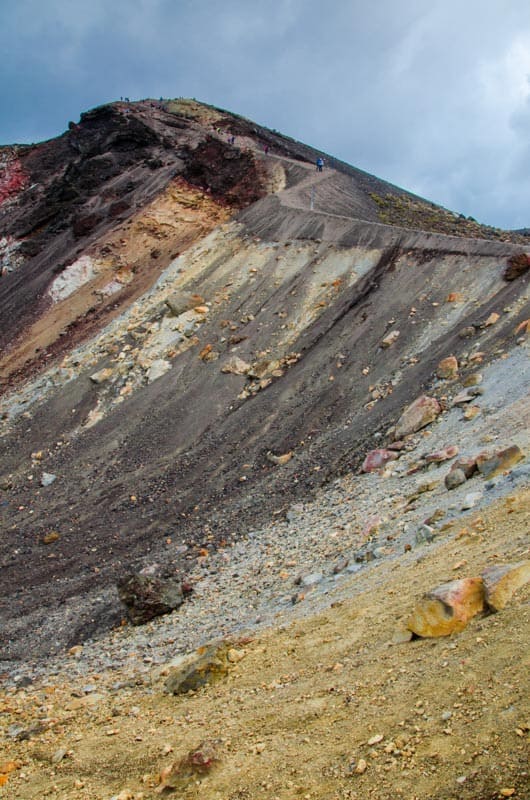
x=320 y=164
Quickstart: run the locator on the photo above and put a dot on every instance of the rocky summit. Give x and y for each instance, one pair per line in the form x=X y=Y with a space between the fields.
x=265 y=423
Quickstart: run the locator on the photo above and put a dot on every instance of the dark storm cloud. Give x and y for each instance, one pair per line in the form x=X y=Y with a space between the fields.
x=432 y=96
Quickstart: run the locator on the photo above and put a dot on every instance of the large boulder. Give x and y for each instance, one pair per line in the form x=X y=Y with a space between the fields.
x=147 y=597
x=448 y=608
x=501 y=581
x=420 y=413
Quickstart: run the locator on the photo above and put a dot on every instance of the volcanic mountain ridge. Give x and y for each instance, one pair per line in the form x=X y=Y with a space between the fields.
x=185 y=300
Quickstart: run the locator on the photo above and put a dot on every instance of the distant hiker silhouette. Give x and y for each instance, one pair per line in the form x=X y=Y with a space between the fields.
x=320 y=164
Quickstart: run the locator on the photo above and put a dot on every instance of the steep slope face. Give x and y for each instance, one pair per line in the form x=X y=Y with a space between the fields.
x=116 y=192
x=243 y=338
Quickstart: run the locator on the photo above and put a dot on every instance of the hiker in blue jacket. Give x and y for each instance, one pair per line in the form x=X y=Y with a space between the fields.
x=320 y=164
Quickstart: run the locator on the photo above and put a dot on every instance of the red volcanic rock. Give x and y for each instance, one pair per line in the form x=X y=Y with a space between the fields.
x=376 y=459
x=12 y=179
x=444 y=454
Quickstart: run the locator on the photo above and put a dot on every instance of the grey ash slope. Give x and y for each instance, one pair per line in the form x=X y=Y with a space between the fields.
x=304 y=298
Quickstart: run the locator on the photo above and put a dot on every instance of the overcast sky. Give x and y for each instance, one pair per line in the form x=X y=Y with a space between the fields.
x=433 y=95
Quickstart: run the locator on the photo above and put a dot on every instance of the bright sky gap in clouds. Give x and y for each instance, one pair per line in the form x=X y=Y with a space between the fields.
x=434 y=97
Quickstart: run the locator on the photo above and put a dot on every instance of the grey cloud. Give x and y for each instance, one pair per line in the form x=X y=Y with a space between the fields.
x=434 y=97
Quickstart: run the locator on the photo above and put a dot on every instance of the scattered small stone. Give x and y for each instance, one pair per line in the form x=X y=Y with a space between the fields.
x=471 y=499
x=454 y=478
x=451 y=451
x=389 y=339
x=447 y=368
x=102 y=375
x=180 y=302
x=462 y=398
x=205 y=666
x=467 y=332
x=401 y=636
x=492 y=319
x=281 y=459
x=158 y=368
x=468 y=465
x=425 y=533
x=47 y=479
x=235 y=366
x=313 y=579
x=361 y=766
x=196 y=764
x=472 y=380
x=471 y=412
x=51 y=537
x=58 y=755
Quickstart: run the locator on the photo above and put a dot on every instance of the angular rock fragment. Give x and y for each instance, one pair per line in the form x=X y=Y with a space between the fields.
x=281 y=459
x=461 y=398
x=502 y=581
x=205 y=666
x=262 y=368
x=235 y=366
x=389 y=339
x=448 y=608
x=468 y=465
x=442 y=455
x=179 y=302
x=376 y=459
x=102 y=375
x=467 y=332
x=47 y=478
x=447 y=368
x=158 y=368
x=147 y=597
x=492 y=319
x=420 y=413
x=454 y=478
x=492 y=464
x=472 y=380
x=471 y=412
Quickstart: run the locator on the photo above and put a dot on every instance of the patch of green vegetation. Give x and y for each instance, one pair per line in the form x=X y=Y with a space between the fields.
x=408 y=212
x=191 y=109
